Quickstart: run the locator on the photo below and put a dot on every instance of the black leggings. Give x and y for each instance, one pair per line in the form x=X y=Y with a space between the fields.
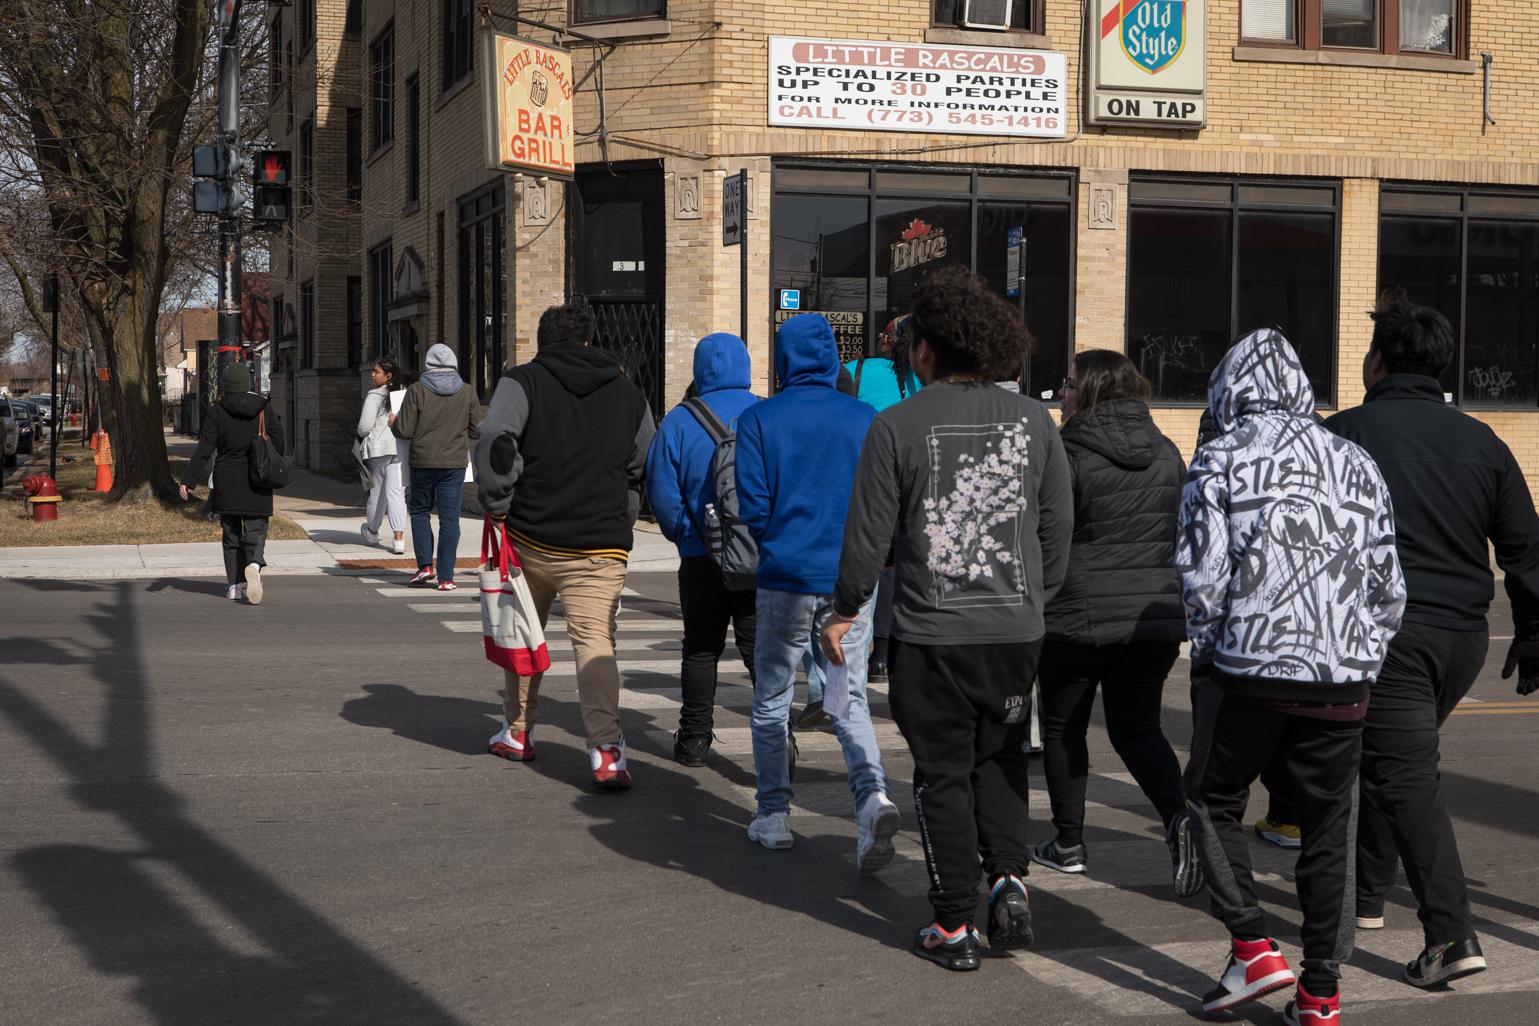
x=1131 y=678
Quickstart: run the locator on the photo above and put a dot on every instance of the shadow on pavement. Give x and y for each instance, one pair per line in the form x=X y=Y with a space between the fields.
x=189 y=586
x=459 y=725
x=111 y=906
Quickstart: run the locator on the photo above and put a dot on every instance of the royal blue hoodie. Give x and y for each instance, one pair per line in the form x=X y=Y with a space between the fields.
x=796 y=457
x=679 y=464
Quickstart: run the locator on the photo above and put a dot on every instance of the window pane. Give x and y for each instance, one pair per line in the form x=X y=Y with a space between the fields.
x=820 y=178
x=1287 y=280
x=1398 y=199
x=1485 y=203
x=910 y=182
x=616 y=10
x=1268 y=19
x=1427 y=25
x=1022 y=185
x=1288 y=195
x=1349 y=23
x=1421 y=255
x=1501 y=365
x=1045 y=289
x=1178 y=298
x=1202 y=192
x=913 y=238
x=822 y=246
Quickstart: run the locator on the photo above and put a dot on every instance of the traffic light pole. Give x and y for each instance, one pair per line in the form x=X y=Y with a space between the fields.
x=228 y=25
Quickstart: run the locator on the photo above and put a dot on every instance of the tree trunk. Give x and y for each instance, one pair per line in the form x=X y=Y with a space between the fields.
x=142 y=470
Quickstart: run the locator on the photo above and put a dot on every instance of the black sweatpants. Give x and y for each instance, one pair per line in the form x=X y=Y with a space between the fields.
x=245 y=541
x=708 y=608
x=1131 y=679
x=1427 y=672
x=1233 y=739
x=963 y=711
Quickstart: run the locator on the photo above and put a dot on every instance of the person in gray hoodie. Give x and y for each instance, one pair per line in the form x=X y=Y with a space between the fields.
x=439 y=416
x=1285 y=543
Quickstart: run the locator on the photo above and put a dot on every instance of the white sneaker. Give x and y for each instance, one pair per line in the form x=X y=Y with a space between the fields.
x=399 y=547
x=254 y=584
x=370 y=536
x=235 y=592
x=878 y=820
x=773 y=830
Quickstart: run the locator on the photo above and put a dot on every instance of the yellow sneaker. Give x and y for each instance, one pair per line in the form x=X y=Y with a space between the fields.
x=1284 y=835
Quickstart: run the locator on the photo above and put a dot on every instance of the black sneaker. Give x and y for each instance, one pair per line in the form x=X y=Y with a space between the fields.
x=1443 y=963
x=1186 y=870
x=876 y=670
x=956 y=950
x=690 y=749
x=1064 y=859
x=1009 y=913
x=811 y=718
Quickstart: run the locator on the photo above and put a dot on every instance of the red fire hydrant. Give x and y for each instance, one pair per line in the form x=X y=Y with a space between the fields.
x=43 y=495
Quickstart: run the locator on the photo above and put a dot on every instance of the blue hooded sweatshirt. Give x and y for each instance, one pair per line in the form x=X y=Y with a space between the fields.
x=679 y=463
x=796 y=457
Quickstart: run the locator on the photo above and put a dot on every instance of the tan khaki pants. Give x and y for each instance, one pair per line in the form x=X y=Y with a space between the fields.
x=589 y=589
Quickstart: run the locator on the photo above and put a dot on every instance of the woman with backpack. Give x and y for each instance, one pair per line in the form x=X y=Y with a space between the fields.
x=229 y=427
x=680 y=489
x=378 y=449
x=1117 y=622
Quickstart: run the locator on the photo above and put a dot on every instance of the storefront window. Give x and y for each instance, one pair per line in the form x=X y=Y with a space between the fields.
x=1449 y=250
x=1211 y=261
x=857 y=242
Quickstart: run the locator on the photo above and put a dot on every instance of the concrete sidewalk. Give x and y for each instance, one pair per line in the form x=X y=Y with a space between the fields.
x=329 y=511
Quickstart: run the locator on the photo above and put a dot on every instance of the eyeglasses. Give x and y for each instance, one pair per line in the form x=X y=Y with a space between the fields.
x=1067 y=384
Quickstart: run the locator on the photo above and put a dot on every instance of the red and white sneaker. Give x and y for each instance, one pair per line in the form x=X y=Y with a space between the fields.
x=448 y=586
x=423 y=578
x=1255 y=968
x=1307 y=1010
x=510 y=744
x=609 y=769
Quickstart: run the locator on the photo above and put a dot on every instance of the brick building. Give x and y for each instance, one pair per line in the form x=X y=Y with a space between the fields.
x=1341 y=146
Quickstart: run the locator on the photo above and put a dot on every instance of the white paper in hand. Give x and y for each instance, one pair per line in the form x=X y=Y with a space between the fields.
x=836 y=690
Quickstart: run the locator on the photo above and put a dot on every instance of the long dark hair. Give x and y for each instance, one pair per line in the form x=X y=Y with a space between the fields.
x=1104 y=375
x=394 y=377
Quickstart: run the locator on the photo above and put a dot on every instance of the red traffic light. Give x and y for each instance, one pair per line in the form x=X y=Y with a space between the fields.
x=272 y=168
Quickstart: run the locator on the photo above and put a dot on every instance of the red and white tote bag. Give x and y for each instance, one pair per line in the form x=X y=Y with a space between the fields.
x=510 y=626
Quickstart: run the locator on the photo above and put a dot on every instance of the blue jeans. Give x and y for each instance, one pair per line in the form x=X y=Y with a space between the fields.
x=787 y=630
x=446 y=487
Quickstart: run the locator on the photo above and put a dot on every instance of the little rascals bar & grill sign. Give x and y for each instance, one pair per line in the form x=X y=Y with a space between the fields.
x=528 y=90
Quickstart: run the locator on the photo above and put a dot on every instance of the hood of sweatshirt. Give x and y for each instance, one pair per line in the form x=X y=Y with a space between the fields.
x=1121 y=430
x=245 y=405
x=721 y=361
x=582 y=370
x=444 y=381
x=1260 y=374
x=806 y=353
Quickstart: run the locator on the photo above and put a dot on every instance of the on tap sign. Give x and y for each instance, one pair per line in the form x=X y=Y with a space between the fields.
x=528 y=90
x=1148 y=62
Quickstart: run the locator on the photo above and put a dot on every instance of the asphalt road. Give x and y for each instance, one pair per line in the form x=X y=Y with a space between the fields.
x=214 y=813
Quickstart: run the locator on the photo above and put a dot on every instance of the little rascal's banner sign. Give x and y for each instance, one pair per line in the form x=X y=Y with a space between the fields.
x=1148 y=62
x=528 y=90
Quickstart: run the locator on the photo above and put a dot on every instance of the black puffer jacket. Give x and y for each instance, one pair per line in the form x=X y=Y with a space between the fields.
x=228 y=429
x=1121 y=585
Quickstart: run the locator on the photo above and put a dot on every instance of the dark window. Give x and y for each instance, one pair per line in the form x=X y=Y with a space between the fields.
x=304 y=23
x=413 y=141
x=459 y=40
x=1474 y=256
x=382 y=86
x=307 y=165
x=307 y=324
x=354 y=320
x=275 y=56
x=482 y=284
x=354 y=22
x=1380 y=26
x=354 y=154
x=1212 y=260
x=857 y=243
x=983 y=15
x=381 y=284
x=587 y=12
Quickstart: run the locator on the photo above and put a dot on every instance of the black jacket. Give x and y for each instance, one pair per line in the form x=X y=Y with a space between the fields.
x=228 y=428
x=563 y=450
x=1453 y=484
x=1121 y=584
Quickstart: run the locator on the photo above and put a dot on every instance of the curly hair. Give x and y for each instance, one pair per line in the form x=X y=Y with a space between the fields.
x=570 y=324
x=970 y=328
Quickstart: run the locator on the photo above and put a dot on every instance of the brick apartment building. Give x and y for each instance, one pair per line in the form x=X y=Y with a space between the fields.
x=1328 y=148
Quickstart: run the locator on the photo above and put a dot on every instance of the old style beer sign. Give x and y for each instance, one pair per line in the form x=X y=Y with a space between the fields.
x=1148 y=62
x=528 y=89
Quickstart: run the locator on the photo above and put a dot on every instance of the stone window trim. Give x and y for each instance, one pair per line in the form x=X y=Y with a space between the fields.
x=373 y=157
x=1307 y=39
x=1265 y=53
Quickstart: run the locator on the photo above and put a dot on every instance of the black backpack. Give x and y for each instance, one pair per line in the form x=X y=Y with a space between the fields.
x=726 y=536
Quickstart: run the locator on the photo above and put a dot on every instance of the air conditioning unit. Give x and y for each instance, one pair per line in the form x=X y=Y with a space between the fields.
x=986 y=14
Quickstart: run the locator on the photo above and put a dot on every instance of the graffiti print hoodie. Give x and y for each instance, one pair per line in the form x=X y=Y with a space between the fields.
x=1285 y=540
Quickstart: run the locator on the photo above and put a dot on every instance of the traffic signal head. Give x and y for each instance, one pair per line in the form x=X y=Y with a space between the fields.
x=271 y=192
x=271 y=167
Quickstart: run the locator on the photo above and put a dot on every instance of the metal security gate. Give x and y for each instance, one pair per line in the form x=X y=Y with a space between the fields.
x=632 y=329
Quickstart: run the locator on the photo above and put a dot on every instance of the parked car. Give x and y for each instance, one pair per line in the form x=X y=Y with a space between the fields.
x=12 y=430
x=26 y=425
